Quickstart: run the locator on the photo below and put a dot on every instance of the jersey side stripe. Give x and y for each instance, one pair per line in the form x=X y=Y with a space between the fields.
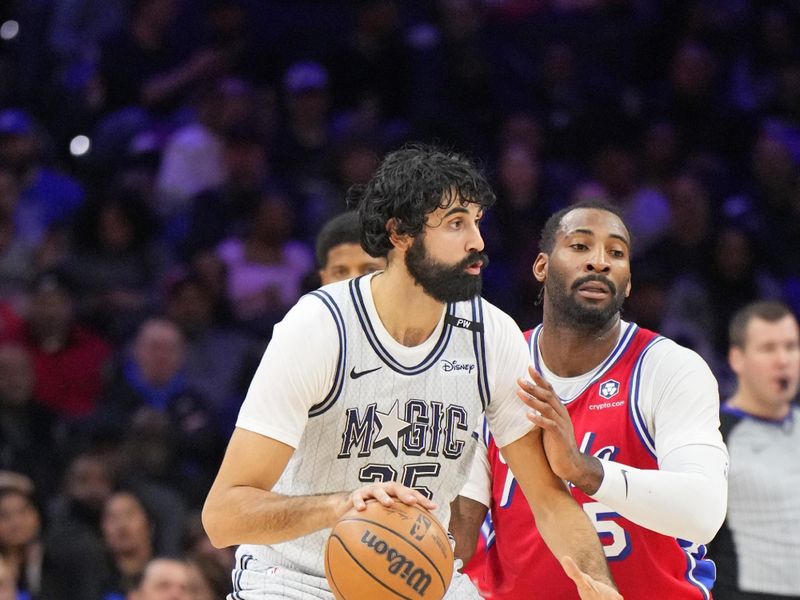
x=633 y=405
x=700 y=571
x=338 y=379
x=479 y=343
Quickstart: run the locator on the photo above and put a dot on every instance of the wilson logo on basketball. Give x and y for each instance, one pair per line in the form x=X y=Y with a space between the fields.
x=416 y=578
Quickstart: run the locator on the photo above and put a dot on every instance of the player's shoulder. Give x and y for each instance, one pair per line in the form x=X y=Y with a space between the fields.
x=664 y=349
x=318 y=307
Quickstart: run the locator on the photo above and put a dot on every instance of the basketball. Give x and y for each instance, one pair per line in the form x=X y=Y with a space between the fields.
x=384 y=553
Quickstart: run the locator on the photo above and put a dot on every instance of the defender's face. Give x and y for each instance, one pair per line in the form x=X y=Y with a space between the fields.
x=769 y=364
x=587 y=276
x=346 y=261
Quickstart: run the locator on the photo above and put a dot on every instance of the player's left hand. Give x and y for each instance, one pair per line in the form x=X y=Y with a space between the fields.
x=588 y=587
x=563 y=454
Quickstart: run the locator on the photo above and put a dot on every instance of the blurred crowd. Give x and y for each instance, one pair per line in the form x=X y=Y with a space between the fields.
x=166 y=166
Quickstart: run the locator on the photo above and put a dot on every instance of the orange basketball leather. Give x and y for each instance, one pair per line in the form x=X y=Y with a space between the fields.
x=388 y=553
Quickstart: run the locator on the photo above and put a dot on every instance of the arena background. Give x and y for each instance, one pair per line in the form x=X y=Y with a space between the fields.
x=165 y=166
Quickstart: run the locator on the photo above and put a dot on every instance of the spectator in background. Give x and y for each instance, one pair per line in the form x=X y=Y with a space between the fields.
x=27 y=429
x=77 y=28
x=143 y=64
x=74 y=539
x=757 y=549
x=304 y=149
x=152 y=464
x=128 y=535
x=208 y=579
x=21 y=546
x=114 y=264
x=193 y=159
x=48 y=199
x=685 y=247
x=219 y=360
x=17 y=256
x=265 y=266
x=339 y=251
x=645 y=209
x=153 y=375
x=218 y=213
x=163 y=579
x=69 y=359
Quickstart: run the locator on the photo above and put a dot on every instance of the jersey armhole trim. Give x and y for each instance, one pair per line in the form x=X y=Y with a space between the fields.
x=637 y=417
x=479 y=344
x=338 y=379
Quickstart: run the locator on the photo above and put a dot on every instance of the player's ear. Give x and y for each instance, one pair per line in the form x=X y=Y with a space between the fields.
x=399 y=240
x=628 y=288
x=540 y=265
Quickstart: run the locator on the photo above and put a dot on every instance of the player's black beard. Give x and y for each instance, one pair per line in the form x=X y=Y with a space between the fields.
x=570 y=311
x=443 y=282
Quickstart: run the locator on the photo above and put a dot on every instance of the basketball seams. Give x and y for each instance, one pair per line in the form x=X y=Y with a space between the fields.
x=363 y=569
x=401 y=537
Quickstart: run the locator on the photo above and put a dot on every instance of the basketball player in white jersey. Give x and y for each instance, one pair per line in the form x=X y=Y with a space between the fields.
x=371 y=387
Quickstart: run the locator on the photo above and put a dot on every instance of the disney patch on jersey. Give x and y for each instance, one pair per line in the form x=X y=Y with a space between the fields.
x=457 y=366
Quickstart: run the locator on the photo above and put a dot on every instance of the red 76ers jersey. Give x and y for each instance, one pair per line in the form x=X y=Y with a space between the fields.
x=513 y=562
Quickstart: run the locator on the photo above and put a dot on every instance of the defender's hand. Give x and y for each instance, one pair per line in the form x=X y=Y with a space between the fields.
x=588 y=588
x=551 y=415
x=562 y=452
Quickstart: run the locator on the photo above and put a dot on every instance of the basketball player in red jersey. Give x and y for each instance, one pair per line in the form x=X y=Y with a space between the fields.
x=630 y=421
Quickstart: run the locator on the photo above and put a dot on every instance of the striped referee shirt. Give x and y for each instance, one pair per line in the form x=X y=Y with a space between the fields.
x=757 y=551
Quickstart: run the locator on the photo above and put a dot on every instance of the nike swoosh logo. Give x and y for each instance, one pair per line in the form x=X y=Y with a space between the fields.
x=356 y=374
x=625 y=477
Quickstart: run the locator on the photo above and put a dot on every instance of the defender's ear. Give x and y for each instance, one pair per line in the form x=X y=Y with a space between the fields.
x=540 y=267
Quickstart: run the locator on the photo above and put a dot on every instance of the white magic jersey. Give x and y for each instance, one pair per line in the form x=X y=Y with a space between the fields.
x=388 y=412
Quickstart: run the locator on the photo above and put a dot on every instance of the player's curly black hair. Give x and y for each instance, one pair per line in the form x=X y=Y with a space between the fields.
x=547 y=240
x=409 y=184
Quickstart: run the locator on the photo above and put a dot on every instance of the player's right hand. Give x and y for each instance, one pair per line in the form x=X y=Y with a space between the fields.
x=386 y=493
x=588 y=587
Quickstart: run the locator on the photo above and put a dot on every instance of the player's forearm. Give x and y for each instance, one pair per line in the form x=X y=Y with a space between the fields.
x=686 y=498
x=466 y=518
x=247 y=515
x=567 y=531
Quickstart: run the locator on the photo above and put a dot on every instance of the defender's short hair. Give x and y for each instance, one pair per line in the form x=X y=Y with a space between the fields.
x=547 y=240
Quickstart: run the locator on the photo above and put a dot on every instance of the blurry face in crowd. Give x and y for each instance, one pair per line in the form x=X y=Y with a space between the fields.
x=115 y=231
x=349 y=260
x=587 y=276
x=50 y=311
x=191 y=307
x=126 y=526
x=519 y=172
x=164 y=579
x=16 y=376
x=768 y=366
x=89 y=481
x=20 y=523
x=159 y=352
